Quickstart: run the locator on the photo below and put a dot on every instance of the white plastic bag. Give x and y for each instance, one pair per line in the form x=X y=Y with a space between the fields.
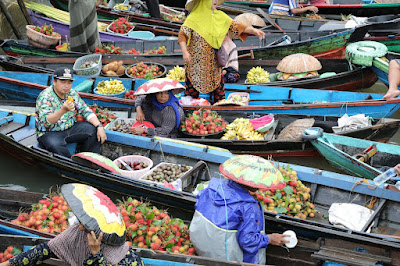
x=349 y=215
x=346 y=123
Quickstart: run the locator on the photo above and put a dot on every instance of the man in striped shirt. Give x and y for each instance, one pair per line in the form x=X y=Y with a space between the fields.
x=289 y=8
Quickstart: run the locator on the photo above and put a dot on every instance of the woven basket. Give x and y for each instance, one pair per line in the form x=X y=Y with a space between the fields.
x=40 y=40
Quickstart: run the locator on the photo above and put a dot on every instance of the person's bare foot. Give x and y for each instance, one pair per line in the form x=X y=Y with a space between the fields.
x=391 y=94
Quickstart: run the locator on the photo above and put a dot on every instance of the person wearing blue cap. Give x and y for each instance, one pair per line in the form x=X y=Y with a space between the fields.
x=55 y=118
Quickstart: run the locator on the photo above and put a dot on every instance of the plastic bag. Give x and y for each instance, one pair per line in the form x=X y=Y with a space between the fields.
x=359 y=215
x=346 y=122
x=188 y=100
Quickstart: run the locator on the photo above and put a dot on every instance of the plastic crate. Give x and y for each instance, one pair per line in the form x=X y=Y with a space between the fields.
x=184 y=182
x=91 y=71
x=133 y=158
x=118 y=121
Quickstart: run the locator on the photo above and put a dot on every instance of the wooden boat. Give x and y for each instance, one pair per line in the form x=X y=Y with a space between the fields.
x=321 y=44
x=342 y=152
x=355 y=7
x=149 y=257
x=347 y=78
x=26 y=87
x=318 y=239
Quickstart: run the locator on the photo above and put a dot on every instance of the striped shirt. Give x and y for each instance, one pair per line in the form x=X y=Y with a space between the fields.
x=282 y=7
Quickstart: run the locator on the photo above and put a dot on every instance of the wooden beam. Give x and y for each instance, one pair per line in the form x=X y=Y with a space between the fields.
x=10 y=20
x=25 y=12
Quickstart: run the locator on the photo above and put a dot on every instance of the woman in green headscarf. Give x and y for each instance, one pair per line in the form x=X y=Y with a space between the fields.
x=204 y=31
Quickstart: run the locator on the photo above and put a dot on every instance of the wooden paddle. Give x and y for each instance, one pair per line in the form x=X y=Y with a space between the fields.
x=266 y=16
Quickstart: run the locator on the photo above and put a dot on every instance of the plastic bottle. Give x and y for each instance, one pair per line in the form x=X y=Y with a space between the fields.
x=382 y=178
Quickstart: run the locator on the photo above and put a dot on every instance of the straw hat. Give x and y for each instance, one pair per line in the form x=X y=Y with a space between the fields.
x=298 y=63
x=190 y=4
x=159 y=85
x=250 y=19
x=253 y=171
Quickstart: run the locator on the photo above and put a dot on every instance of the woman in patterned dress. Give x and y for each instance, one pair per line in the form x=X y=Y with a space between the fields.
x=202 y=33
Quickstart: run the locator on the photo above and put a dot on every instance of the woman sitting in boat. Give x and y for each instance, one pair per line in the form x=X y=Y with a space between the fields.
x=394 y=79
x=289 y=8
x=228 y=223
x=158 y=105
x=79 y=244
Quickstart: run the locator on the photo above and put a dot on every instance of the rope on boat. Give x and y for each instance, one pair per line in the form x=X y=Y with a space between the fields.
x=368 y=203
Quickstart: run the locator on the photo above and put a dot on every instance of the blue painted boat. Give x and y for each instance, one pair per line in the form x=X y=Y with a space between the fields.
x=343 y=153
x=263 y=99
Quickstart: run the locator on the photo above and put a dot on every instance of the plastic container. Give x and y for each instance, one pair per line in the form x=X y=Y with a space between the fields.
x=40 y=40
x=244 y=95
x=385 y=176
x=162 y=67
x=118 y=121
x=135 y=158
x=120 y=10
x=184 y=182
x=91 y=71
x=141 y=34
x=292 y=239
x=117 y=95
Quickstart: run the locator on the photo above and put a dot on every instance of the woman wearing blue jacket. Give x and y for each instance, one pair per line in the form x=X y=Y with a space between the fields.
x=229 y=222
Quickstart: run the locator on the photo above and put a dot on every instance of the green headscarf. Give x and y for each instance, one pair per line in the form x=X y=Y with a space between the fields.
x=212 y=25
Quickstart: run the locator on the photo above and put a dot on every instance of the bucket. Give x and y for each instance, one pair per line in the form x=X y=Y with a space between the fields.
x=129 y=159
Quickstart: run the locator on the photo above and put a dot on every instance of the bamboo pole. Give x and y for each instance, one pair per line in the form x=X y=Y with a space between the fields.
x=25 y=12
x=9 y=19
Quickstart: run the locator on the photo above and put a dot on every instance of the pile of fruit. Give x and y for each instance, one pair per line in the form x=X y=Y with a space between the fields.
x=203 y=122
x=89 y=64
x=142 y=70
x=50 y=215
x=104 y=116
x=167 y=172
x=47 y=30
x=121 y=26
x=314 y=16
x=130 y=95
x=9 y=253
x=108 y=49
x=149 y=227
x=122 y=126
x=112 y=86
x=135 y=165
x=257 y=75
x=177 y=73
x=292 y=200
x=242 y=129
x=155 y=50
x=115 y=68
x=121 y=7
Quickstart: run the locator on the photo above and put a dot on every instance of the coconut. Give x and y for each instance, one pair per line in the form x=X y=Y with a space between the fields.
x=250 y=19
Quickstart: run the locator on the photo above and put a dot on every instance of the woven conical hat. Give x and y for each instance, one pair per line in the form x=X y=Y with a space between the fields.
x=298 y=63
x=251 y=18
x=191 y=3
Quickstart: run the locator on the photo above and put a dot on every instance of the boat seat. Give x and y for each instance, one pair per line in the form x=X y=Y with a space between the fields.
x=349 y=257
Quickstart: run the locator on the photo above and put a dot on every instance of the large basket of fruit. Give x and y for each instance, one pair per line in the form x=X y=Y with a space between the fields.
x=134 y=166
x=170 y=173
x=42 y=37
x=146 y=70
x=88 y=65
x=121 y=26
x=203 y=123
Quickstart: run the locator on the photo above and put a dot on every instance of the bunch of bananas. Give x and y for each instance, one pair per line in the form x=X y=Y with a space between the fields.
x=111 y=86
x=177 y=73
x=257 y=75
x=242 y=129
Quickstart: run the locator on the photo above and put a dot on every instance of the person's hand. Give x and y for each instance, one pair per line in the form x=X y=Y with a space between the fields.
x=259 y=33
x=139 y=130
x=94 y=243
x=397 y=168
x=277 y=239
x=139 y=115
x=312 y=9
x=186 y=57
x=101 y=135
x=68 y=106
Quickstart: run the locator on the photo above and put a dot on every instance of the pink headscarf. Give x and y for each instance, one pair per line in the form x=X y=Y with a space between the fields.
x=72 y=247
